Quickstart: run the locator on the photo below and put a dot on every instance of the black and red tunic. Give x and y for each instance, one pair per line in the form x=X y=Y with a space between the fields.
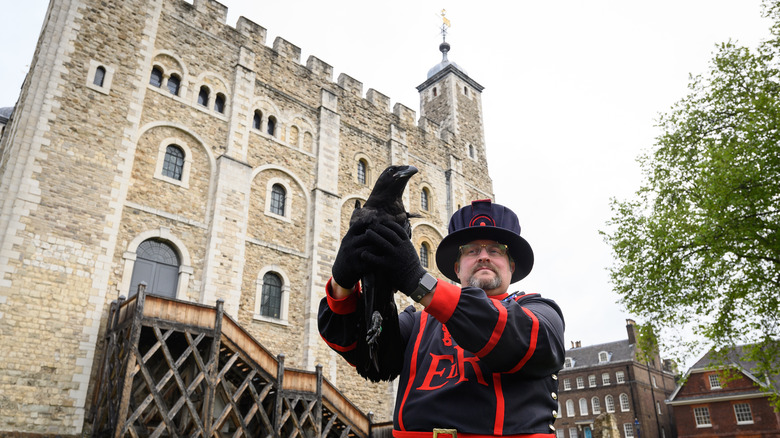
x=481 y=365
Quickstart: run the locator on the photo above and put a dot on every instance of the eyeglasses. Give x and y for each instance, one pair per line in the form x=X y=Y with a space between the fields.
x=475 y=249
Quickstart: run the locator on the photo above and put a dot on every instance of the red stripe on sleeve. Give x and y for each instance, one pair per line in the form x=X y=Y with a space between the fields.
x=340 y=348
x=412 y=369
x=498 y=427
x=498 y=330
x=445 y=299
x=532 y=342
x=344 y=306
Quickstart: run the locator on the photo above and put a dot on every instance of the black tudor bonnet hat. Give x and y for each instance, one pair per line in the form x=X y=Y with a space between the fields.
x=484 y=220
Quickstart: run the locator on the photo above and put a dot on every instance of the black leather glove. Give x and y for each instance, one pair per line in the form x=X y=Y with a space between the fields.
x=392 y=253
x=349 y=265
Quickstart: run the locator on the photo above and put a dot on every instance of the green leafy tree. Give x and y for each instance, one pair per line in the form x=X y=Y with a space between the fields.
x=698 y=247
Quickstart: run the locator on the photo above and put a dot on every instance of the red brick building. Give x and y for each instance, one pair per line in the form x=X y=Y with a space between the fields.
x=712 y=404
x=609 y=378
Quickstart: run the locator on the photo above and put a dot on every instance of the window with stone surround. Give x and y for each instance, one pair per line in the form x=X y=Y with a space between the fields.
x=99 y=77
x=272 y=295
x=156 y=264
x=361 y=171
x=257 y=120
x=174 y=162
x=219 y=103
x=174 y=83
x=424 y=199
x=156 y=77
x=278 y=199
x=271 y=127
x=203 y=96
x=424 y=252
x=173 y=165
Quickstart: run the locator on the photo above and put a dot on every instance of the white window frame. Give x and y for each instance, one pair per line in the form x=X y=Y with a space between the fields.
x=580 y=382
x=655 y=384
x=603 y=356
x=748 y=412
x=595 y=405
x=573 y=432
x=570 y=412
x=714 y=381
x=700 y=415
x=605 y=379
x=620 y=377
x=628 y=430
x=107 y=79
x=592 y=380
x=583 y=402
x=568 y=363
x=567 y=384
x=609 y=403
x=625 y=404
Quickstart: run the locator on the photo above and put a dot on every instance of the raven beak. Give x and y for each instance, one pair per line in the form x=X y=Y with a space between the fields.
x=405 y=172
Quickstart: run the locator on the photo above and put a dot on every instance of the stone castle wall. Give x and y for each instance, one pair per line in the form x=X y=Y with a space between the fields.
x=82 y=187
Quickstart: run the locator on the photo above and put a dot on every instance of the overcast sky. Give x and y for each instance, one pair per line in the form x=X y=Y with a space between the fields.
x=572 y=92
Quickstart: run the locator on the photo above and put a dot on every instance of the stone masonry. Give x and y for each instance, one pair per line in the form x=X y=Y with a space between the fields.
x=82 y=185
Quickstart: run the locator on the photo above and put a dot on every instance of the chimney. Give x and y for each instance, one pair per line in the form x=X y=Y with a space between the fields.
x=579 y=344
x=631 y=330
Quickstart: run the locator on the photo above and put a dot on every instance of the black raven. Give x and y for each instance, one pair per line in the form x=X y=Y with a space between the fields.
x=381 y=349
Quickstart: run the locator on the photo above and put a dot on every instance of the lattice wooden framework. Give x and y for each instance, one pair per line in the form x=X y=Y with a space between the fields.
x=178 y=369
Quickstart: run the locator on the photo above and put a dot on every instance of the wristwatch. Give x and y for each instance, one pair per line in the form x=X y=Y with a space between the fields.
x=427 y=285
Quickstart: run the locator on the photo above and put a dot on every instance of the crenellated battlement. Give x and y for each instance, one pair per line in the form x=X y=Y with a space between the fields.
x=213 y=16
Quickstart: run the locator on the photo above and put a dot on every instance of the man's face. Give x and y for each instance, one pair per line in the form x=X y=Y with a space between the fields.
x=483 y=268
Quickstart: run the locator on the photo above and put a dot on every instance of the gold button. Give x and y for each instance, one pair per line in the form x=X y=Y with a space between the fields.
x=554 y=396
x=555 y=413
x=552 y=427
x=555 y=377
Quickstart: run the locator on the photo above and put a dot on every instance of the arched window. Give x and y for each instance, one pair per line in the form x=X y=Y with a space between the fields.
x=257 y=120
x=361 y=171
x=424 y=251
x=271 y=125
x=624 y=405
x=278 y=199
x=173 y=84
x=583 y=407
x=100 y=75
x=570 y=408
x=271 y=299
x=293 y=139
x=203 y=96
x=156 y=78
x=424 y=199
x=219 y=103
x=610 y=402
x=174 y=162
x=435 y=92
x=595 y=405
x=157 y=264
x=471 y=151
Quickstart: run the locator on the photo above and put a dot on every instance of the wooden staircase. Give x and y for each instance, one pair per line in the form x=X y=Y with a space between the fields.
x=177 y=369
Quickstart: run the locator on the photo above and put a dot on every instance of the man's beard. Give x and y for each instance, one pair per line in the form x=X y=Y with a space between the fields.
x=485 y=283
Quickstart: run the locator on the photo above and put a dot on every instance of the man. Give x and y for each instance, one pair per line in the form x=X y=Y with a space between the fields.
x=478 y=360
